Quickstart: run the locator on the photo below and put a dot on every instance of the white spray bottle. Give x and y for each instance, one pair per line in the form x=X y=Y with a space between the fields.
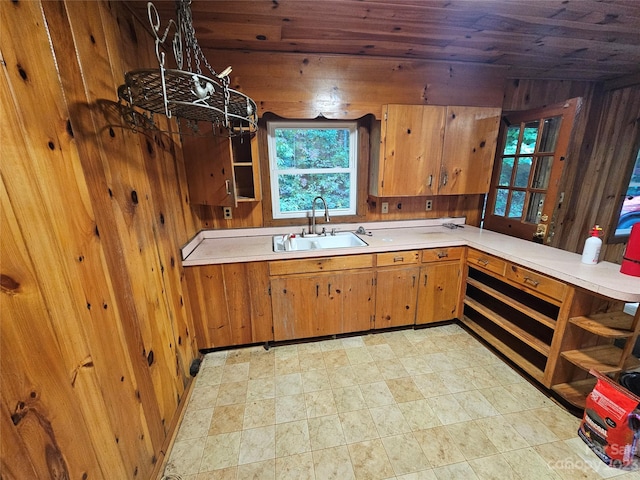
x=592 y=246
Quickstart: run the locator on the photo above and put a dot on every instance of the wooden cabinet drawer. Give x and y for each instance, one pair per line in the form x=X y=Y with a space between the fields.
x=442 y=254
x=398 y=258
x=486 y=262
x=536 y=282
x=323 y=264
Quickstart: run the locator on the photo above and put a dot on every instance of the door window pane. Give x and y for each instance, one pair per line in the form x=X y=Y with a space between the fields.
x=511 y=143
x=517 y=204
x=534 y=210
x=529 y=137
x=505 y=172
x=522 y=172
x=542 y=173
x=549 y=138
x=501 y=202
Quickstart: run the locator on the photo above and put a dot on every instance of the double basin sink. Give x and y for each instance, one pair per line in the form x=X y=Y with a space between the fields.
x=298 y=243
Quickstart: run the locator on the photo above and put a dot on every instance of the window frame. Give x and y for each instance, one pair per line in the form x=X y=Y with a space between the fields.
x=352 y=126
x=615 y=237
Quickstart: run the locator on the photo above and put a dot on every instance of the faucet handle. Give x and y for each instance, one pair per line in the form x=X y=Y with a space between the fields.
x=304 y=232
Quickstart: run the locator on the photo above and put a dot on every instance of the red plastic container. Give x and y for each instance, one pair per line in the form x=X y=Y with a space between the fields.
x=631 y=258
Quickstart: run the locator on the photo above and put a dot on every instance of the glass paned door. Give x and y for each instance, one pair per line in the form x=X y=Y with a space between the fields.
x=527 y=170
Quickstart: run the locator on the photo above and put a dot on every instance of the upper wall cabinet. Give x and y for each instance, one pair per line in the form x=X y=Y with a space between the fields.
x=222 y=171
x=431 y=150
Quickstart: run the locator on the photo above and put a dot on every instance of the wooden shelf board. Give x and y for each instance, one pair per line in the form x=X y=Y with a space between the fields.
x=609 y=325
x=603 y=358
x=506 y=325
x=528 y=311
x=575 y=392
x=525 y=364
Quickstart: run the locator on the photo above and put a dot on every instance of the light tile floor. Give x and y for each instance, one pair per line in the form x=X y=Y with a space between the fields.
x=411 y=404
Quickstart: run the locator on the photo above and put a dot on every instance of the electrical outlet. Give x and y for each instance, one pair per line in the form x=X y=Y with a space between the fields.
x=429 y=205
x=385 y=207
x=227 y=213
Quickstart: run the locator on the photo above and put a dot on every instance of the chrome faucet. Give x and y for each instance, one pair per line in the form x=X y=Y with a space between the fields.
x=313 y=214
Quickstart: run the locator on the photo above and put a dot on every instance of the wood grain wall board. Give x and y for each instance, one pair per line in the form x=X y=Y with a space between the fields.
x=41 y=172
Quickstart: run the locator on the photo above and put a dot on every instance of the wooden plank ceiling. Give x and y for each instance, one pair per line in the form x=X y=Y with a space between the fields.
x=559 y=39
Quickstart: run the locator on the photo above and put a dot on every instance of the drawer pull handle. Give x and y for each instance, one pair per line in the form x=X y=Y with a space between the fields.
x=425 y=280
x=414 y=282
x=398 y=259
x=430 y=180
x=483 y=262
x=227 y=184
x=443 y=254
x=530 y=280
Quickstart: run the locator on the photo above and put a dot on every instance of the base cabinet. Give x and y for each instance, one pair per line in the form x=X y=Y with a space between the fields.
x=230 y=304
x=440 y=285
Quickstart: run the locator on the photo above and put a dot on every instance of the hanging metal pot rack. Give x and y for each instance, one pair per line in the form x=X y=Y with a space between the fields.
x=187 y=95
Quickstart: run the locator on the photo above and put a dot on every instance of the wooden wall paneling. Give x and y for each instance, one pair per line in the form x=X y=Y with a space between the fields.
x=407 y=208
x=42 y=175
x=39 y=396
x=349 y=87
x=525 y=94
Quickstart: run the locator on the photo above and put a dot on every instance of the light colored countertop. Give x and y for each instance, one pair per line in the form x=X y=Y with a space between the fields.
x=255 y=244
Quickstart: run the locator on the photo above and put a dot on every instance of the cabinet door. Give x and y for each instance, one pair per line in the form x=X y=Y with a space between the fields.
x=318 y=305
x=411 y=146
x=470 y=139
x=439 y=292
x=396 y=293
x=208 y=164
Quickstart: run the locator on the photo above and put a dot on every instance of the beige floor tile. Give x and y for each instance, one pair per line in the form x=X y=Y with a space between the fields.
x=232 y=393
x=392 y=368
x=292 y=438
x=358 y=355
x=290 y=408
x=405 y=454
x=591 y=460
x=440 y=362
x=448 y=409
x=261 y=389
x=358 y=426
x=389 y=420
x=505 y=373
x=530 y=428
x=370 y=461
x=438 y=446
x=320 y=403
x=185 y=456
x=494 y=467
x=430 y=385
x=204 y=396
x=214 y=359
x=529 y=396
x=295 y=467
x=416 y=365
x=476 y=405
x=209 y=376
x=309 y=347
x=240 y=355
x=310 y=361
x=502 y=400
x=227 y=418
x=290 y=384
x=559 y=421
x=348 y=399
x=325 y=432
x=236 y=372
x=258 y=471
x=501 y=433
x=259 y=413
x=459 y=380
x=374 y=339
x=335 y=359
x=331 y=345
x=470 y=440
x=404 y=389
x=419 y=415
x=262 y=368
x=286 y=351
x=381 y=352
x=457 y=470
x=352 y=342
x=230 y=473
x=333 y=464
x=315 y=380
x=368 y=373
x=195 y=424
x=221 y=451
x=377 y=394
x=482 y=377
x=529 y=465
x=342 y=377
x=421 y=475
x=565 y=462
x=287 y=365
x=257 y=445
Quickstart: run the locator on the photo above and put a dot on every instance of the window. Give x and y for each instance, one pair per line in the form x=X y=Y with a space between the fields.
x=311 y=158
x=630 y=211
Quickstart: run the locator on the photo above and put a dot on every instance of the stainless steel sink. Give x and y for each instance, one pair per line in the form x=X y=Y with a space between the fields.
x=282 y=243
